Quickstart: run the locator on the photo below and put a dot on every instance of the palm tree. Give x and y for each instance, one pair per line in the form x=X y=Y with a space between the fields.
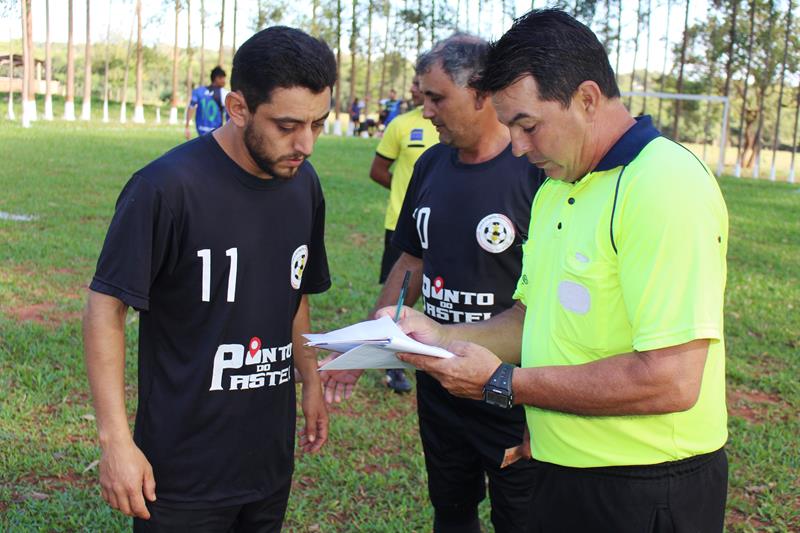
x=353 y=50
x=337 y=126
x=173 y=101
x=86 y=108
x=385 y=59
x=69 y=102
x=48 y=66
x=138 y=108
x=235 y=17
x=776 y=135
x=221 y=33
x=105 y=71
x=367 y=86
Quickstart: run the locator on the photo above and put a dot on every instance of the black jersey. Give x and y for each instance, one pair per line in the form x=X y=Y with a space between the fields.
x=467 y=223
x=216 y=261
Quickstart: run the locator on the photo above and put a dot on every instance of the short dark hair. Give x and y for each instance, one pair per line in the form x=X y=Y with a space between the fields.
x=461 y=57
x=281 y=57
x=557 y=50
x=217 y=72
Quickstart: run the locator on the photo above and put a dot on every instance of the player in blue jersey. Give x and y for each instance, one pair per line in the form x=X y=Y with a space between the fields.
x=207 y=106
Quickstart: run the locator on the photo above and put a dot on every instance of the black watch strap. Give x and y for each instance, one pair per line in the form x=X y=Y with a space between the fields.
x=501 y=379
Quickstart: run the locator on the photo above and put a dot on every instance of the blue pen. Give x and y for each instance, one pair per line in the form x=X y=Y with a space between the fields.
x=402 y=295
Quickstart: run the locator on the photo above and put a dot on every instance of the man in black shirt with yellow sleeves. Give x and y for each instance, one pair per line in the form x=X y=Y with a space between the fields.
x=217 y=244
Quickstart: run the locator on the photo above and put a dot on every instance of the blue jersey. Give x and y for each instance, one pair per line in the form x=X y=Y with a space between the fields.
x=211 y=112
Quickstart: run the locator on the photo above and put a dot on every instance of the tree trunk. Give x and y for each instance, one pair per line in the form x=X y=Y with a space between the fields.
x=189 y=52
x=679 y=87
x=26 y=56
x=86 y=108
x=338 y=99
x=755 y=155
x=173 y=100
x=138 y=108
x=419 y=27
x=619 y=37
x=794 y=134
x=726 y=91
x=202 y=41
x=433 y=24
x=635 y=50
x=314 y=25
x=106 y=61
x=235 y=16
x=367 y=84
x=664 y=66
x=31 y=62
x=385 y=58
x=69 y=102
x=647 y=57
x=123 y=115
x=353 y=44
x=221 y=33
x=48 y=66
x=738 y=169
x=403 y=43
x=777 y=134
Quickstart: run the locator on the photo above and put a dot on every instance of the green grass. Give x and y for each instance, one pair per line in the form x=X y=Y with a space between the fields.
x=371 y=475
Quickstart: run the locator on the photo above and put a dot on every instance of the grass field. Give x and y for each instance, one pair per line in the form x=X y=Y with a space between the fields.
x=371 y=476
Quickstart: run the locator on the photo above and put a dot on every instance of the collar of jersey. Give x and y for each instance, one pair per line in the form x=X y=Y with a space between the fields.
x=629 y=145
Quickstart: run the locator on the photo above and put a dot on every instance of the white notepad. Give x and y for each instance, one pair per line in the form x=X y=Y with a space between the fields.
x=370 y=344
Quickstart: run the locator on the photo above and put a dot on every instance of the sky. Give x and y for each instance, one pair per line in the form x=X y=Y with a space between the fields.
x=159 y=20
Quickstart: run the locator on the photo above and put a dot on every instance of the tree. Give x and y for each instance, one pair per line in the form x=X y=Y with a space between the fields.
x=647 y=55
x=221 y=33
x=777 y=134
x=138 y=108
x=764 y=77
x=105 y=70
x=367 y=86
x=123 y=115
x=384 y=60
x=27 y=50
x=173 y=100
x=353 y=50
x=48 y=65
x=794 y=133
x=682 y=64
x=86 y=107
x=635 y=49
x=69 y=102
x=235 y=18
x=664 y=67
x=726 y=91
x=745 y=83
x=338 y=98
x=189 y=52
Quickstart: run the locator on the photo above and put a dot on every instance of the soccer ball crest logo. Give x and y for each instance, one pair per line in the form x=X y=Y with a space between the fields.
x=298 y=265
x=495 y=233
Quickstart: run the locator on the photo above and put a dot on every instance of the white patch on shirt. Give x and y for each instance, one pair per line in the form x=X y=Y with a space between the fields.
x=581 y=258
x=574 y=297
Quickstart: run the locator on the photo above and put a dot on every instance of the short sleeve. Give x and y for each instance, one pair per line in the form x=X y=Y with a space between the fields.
x=194 y=102
x=672 y=242
x=389 y=147
x=316 y=277
x=140 y=242
x=406 y=237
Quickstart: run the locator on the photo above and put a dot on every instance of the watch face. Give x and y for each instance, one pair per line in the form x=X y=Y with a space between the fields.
x=499 y=399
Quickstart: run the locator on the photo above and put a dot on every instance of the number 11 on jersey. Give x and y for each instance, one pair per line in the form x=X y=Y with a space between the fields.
x=205 y=255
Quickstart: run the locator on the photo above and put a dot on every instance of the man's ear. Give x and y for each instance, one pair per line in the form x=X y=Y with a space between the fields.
x=237 y=108
x=587 y=97
x=481 y=99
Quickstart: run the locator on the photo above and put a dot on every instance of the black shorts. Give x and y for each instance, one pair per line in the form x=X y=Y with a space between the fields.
x=262 y=516
x=390 y=256
x=464 y=442
x=676 y=497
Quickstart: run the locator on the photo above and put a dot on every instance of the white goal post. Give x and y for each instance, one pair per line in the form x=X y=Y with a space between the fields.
x=698 y=97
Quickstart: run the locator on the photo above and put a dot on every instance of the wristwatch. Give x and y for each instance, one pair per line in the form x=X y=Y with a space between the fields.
x=497 y=390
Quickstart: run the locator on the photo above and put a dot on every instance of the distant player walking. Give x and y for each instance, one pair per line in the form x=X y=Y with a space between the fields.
x=207 y=106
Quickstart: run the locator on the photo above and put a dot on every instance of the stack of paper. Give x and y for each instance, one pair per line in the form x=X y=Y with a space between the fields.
x=370 y=344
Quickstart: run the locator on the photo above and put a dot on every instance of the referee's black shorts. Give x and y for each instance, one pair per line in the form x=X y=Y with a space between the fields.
x=464 y=442
x=390 y=256
x=676 y=497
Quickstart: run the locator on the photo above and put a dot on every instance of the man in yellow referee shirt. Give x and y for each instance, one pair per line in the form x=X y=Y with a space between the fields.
x=619 y=320
x=405 y=139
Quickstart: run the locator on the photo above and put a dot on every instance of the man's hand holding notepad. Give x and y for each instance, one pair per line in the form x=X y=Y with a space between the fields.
x=370 y=344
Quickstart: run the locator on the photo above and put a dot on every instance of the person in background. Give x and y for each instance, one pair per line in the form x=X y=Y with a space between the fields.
x=406 y=138
x=207 y=106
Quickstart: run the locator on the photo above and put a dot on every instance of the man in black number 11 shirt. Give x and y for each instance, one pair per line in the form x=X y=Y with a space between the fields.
x=217 y=244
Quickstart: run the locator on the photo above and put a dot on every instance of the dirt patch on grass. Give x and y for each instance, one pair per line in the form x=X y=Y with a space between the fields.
x=44 y=314
x=738 y=518
x=754 y=406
